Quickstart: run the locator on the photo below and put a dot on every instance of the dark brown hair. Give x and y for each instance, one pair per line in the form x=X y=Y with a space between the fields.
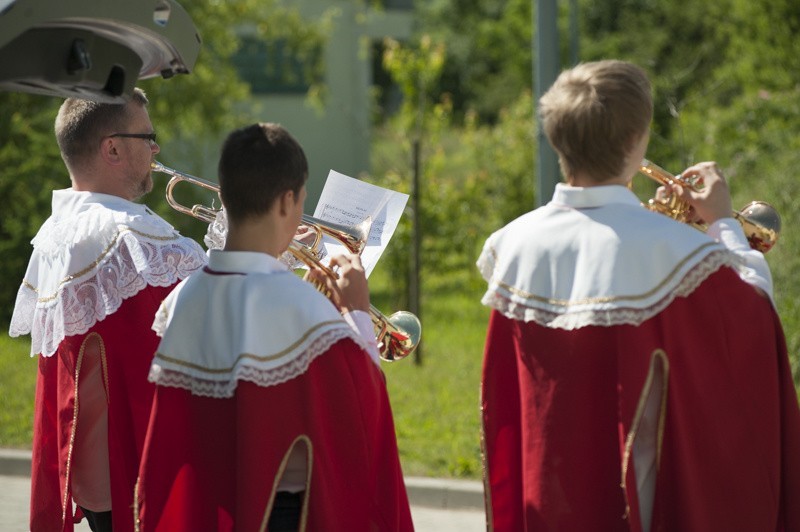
x=259 y=163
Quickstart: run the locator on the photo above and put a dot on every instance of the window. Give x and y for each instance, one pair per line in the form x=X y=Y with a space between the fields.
x=274 y=67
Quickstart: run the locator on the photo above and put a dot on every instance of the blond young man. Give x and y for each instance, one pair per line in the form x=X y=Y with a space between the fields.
x=635 y=373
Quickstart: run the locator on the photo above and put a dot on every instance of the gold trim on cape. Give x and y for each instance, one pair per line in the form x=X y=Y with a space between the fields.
x=74 y=428
x=659 y=356
x=606 y=299
x=137 y=523
x=487 y=485
x=259 y=358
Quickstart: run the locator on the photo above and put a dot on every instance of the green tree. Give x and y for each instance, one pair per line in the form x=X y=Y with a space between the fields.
x=475 y=176
x=488 y=51
x=32 y=167
x=416 y=127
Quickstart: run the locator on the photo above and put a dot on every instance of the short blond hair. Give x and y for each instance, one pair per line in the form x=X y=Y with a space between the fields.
x=593 y=113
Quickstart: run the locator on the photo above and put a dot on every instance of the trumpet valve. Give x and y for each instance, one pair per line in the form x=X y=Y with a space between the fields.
x=670 y=205
x=207 y=214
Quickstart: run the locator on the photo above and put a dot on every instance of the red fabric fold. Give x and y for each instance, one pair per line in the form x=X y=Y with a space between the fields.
x=130 y=397
x=558 y=406
x=213 y=464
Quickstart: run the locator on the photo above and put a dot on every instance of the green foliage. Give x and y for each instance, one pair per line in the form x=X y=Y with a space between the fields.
x=417 y=127
x=32 y=168
x=473 y=178
x=416 y=71
x=488 y=51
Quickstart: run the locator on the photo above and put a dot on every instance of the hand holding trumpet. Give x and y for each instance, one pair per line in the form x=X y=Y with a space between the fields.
x=350 y=290
x=707 y=193
x=700 y=196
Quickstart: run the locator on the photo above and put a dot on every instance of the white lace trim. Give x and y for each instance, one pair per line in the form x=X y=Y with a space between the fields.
x=203 y=382
x=606 y=317
x=132 y=263
x=217 y=231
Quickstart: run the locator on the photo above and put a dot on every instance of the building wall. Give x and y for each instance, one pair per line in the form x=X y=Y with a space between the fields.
x=337 y=137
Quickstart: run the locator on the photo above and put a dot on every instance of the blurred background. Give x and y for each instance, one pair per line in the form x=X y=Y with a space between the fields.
x=436 y=99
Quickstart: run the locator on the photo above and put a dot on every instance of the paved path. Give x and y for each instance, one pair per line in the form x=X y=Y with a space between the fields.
x=15 y=493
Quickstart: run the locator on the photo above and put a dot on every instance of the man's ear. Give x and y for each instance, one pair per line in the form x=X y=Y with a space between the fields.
x=635 y=140
x=109 y=151
x=287 y=201
x=632 y=142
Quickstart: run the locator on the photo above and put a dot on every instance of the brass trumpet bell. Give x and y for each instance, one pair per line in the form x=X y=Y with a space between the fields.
x=761 y=223
x=354 y=238
x=759 y=220
x=398 y=335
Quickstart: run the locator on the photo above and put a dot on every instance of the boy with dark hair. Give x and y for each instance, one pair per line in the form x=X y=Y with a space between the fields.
x=270 y=412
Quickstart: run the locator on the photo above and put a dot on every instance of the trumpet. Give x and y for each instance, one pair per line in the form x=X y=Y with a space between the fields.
x=398 y=335
x=353 y=238
x=759 y=220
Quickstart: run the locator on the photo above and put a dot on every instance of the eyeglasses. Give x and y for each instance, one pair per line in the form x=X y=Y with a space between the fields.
x=150 y=137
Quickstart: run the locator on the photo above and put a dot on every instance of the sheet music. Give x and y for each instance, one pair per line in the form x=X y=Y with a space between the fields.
x=348 y=201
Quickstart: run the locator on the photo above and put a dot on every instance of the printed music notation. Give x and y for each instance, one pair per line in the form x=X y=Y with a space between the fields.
x=350 y=202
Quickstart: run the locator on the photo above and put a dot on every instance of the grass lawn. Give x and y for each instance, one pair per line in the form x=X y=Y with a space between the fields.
x=17 y=384
x=436 y=404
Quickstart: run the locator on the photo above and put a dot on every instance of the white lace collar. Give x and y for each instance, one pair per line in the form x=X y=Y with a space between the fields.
x=99 y=247
x=589 y=257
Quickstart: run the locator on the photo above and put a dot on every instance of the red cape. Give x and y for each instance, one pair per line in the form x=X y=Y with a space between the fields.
x=558 y=407
x=128 y=357
x=213 y=464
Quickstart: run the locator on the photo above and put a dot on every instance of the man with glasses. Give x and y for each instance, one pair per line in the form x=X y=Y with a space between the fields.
x=101 y=265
